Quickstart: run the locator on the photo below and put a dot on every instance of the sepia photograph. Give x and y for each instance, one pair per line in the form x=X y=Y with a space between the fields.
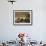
x=22 y=16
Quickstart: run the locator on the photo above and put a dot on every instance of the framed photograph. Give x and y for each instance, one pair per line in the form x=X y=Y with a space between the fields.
x=22 y=17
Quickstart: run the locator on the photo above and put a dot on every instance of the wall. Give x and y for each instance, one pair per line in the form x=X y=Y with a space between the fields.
x=38 y=29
